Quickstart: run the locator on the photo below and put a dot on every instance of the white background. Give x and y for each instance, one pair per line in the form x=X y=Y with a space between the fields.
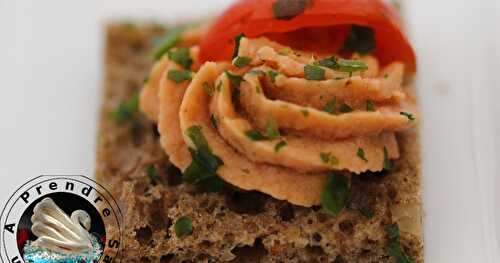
x=51 y=76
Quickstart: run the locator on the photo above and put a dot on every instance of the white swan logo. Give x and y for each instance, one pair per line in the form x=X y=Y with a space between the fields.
x=58 y=232
x=53 y=219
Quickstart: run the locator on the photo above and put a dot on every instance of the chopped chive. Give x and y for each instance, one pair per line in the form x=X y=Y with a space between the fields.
x=395 y=249
x=183 y=227
x=173 y=37
x=241 y=62
x=350 y=66
x=272 y=130
x=335 y=194
x=313 y=72
x=126 y=110
x=209 y=89
x=328 y=63
x=370 y=106
x=179 y=76
x=272 y=75
x=152 y=174
x=181 y=56
x=361 y=154
x=408 y=115
x=213 y=121
x=237 y=41
x=234 y=79
x=329 y=158
x=330 y=106
x=279 y=146
x=344 y=108
x=255 y=135
x=387 y=162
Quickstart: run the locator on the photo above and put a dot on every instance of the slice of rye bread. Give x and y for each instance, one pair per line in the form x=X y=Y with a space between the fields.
x=232 y=226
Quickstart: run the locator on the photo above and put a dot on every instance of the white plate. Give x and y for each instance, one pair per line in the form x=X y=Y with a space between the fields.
x=50 y=72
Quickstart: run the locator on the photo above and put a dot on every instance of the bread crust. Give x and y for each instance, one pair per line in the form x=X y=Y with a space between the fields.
x=235 y=226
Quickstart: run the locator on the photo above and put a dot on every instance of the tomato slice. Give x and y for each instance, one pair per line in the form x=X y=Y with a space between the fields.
x=322 y=25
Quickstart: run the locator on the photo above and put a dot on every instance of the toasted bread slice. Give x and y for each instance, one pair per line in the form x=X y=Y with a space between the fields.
x=235 y=226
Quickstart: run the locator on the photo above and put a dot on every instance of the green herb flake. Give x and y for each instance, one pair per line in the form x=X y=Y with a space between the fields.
x=330 y=106
x=395 y=249
x=241 y=62
x=360 y=40
x=173 y=37
x=255 y=135
x=258 y=72
x=126 y=110
x=219 y=86
x=183 y=227
x=335 y=193
x=408 y=115
x=330 y=63
x=285 y=51
x=152 y=174
x=237 y=41
x=344 y=108
x=387 y=162
x=258 y=89
x=279 y=146
x=182 y=57
x=329 y=158
x=361 y=154
x=272 y=130
x=367 y=212
x=179 y=76
x=234 y=79
x=313 y=72
x=386 y=76
x=209 y=89
x=214 y=121
x=272 y=75
x=288 y=9
x=347 y=65
x=305 y=112
x=370 y=106
x=145 y=80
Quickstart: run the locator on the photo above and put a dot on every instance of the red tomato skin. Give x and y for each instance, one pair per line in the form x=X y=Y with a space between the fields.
x=255 y=18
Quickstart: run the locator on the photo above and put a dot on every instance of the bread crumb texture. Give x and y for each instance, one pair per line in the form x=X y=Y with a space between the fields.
x=235 y=226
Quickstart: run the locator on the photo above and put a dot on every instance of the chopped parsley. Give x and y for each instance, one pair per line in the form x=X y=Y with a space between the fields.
x=272 y=130
x=395 y=249
x=313 y=72
x=145 y=80
x=172 y=38
x=305 y=112
x=279 y=146
x=288 y=9
x=272 y=75
x=237 y=41
x=219 y=86
x=179 y=76
x=329 y=158
x=361 y=40
x=387 y=162
x=203 y=169
x=209 y=89
x=361 y=154
x=241 y=62
x=255 y=135
x=344 y=108
x=335 y=193
x=182 y=57
x=408 y=115
x=183 y=227
x=152 y=174
x=330 y=106
x=126 y=110
x=370 y=106
x=234 y=79
x=258 y=72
